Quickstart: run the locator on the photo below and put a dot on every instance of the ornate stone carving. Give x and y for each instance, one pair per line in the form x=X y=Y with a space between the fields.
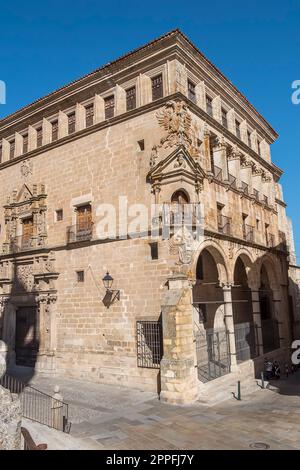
x=26 y=168
x=184 y=241
x=180 y=162
x=24 y=277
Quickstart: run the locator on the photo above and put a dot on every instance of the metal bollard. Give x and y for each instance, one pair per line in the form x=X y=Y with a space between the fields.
x=262 y=380
x=239 y=391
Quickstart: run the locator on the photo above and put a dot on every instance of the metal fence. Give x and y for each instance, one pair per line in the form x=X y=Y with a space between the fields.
x=245 y=341
x=149 y=344
x=213 y=356
x=37 y=405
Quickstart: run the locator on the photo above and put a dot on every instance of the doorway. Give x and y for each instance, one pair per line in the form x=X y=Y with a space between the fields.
x=27 y=341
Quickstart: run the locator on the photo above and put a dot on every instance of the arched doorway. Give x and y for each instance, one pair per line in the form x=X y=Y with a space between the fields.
x=269 y=324
x=212 y=346
x=244 y=329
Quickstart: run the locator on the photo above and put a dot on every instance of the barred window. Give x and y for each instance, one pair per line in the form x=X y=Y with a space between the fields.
x=131 y=98
x=54 y=130
x=209 y=108
x=191 y=91
x=11 y=149
x=109 y=105
x=25 y=143
x=89 y=115
x=149 y=344
x=157 y=87
x=71 y=123
x=0 y=153
x=249 y=138
x=39 y=137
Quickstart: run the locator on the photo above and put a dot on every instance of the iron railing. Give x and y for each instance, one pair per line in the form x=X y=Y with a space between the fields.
x=245 y=187
x=177 y=215
x=270 y=240
x=248 y=233
x=77 y=233
x=256 y=194
x=232 y=181
x=38 y=406
x=245 y=341
x=224 y=225
x=149 y=344
x=266 y=200
x=218 y=173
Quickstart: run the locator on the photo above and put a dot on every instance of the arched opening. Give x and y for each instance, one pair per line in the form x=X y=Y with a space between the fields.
x=213 y=359
x=180 y=197
x=244 y=330
x=269 y=324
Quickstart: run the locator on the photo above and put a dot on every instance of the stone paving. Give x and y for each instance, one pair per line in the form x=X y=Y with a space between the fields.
x=110 y=417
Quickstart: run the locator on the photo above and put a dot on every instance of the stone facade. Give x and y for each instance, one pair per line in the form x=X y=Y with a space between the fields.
x=158 y=126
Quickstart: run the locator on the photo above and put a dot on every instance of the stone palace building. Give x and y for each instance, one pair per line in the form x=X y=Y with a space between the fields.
x=159 y=127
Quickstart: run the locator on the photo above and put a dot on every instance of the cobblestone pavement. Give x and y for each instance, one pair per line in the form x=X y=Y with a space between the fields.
x=112 y=417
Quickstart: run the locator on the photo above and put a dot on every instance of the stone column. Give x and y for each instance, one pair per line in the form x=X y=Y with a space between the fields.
x=257 y=319
x=208 y=159
x=230 y=325
x=179 y=383
x=277 y=310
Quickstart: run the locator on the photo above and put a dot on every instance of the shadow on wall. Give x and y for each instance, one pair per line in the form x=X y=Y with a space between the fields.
x=20 y=324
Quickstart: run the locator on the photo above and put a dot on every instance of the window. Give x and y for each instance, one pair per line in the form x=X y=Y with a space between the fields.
x=249 y=138
x=11 y=149
x=191 y=91
x=257 y=224
x=54 y=130
x=131 y=98
x=27 y=232
x=89 y=115
x=149 y=344
x=258 y=147
x=80 y=276
x=141 y=144
x=39 y=137
x=224 y=117
x=25 y=143
x=109 y=105
x=71 y=123
x=237 y=129
x=0 y=153
x=157 y=87
x=154 y=250
x=209 y=108
x=59 y=215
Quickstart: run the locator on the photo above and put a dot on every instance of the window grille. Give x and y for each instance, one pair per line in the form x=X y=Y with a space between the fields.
x=54 y=130
x=131 y=98
x=224 y=118
x=149 y=344
x=157 y=87
x=209 y=108
x=25 y=143
x=237 y=129
x=71 y=123
x=109 y=105
x=191 y=91
x=12 y=149
x=39 y=137
x=89 y=115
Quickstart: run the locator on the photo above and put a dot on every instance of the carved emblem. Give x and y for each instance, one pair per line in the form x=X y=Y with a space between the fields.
x=26 y=168
x=184 y=241
x=180 y=162
x=25 y=277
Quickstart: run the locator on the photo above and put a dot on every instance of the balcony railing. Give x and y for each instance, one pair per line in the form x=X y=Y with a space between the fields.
x=256 y=194
x=245 y=187
x=270 y=240
x=232 y=180
x=224 y=225
x=177 y=215
x=266 y=200
x=218 y=173
x=248 y=233
x=80 y=233
x=21 y=243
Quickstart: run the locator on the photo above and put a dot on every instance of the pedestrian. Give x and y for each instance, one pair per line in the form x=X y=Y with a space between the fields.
x=268 y=368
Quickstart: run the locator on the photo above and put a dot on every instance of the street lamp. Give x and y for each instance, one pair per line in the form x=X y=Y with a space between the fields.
x=111 y=294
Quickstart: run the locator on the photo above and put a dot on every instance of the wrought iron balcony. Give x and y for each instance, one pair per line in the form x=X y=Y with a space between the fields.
x=245 y=187
x=76 y=233
x=177 y=215
x=270 y=240
x=21 y=243
x=232 y=180
x=218 y=173
x=224 y=225
x=256 y=194
x=248 y=233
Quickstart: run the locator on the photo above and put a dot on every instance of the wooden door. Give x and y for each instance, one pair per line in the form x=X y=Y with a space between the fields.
x=84 y=218
x=27 y=342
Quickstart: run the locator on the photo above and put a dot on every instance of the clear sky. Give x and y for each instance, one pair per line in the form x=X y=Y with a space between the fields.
x=44 y=45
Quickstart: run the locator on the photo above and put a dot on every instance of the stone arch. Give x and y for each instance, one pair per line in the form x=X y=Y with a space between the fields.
x=180 y=196
x=219 y=256
x=248 y=260
x=273 y=268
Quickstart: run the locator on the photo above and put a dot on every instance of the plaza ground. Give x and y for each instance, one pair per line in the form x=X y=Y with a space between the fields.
x=111 y=417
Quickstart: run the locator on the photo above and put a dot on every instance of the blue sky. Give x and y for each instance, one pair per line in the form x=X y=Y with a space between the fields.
x=256 y=44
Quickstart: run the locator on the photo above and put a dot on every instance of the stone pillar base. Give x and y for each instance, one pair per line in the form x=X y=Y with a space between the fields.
x=179 y=382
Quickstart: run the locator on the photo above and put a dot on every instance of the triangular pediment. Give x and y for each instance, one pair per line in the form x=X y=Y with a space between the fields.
x=178 y=163
x=24 y=194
